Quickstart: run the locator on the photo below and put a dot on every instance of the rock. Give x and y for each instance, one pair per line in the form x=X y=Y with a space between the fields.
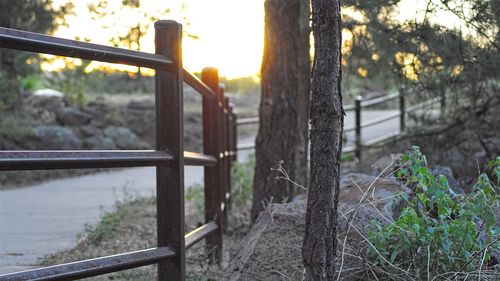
x=448 y=173
x=380 y=191
x=386 y=163
x=99 y=142
x=48 y=93
x=124 y=138
x=56 y=137
x=141 y=122
x=272 y=248
x=42 y=109
x=89 y=130
x=141 y=105
x=70 y=116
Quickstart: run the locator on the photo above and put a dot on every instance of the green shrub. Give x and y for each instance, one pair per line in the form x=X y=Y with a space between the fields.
x=439 y=234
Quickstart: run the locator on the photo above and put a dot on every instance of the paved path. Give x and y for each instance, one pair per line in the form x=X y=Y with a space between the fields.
x=46 y=218
x=368 y=133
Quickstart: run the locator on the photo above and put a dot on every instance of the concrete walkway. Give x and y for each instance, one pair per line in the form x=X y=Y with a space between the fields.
x=46 y=218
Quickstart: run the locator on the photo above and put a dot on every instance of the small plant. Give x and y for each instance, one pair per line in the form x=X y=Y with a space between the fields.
x=30 y=83
x=439 y=234
x=196 y=194
x=242 y=181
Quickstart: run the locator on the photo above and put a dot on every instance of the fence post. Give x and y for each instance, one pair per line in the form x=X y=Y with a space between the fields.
x=169 y=135
x=234 y=137
x=357 y=129
x=213 y=181
x=402 y=110
x=223 y=157
x=227 y=153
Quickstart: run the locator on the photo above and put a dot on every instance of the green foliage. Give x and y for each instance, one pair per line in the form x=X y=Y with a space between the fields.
x=242 y=85
x=242 y=181
x=106 y=228
x=30 y=82
x=74 y=93
x=110 y=220
x=30 y=15
x=196 y=194
x=439 y=231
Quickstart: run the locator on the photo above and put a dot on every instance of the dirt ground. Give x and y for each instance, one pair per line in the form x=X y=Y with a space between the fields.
x=133 y=227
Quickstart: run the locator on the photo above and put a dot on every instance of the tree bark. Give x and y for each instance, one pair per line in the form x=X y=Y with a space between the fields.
x=283 y=112
x=327 y=121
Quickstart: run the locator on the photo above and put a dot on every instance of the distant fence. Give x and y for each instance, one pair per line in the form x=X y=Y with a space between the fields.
x=169 y=157
x=357 y=107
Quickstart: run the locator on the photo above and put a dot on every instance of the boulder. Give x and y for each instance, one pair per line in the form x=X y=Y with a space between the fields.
x=48 y=93
x=124 y=138
x=42 y=109
x=56 y=137
x=447 y=172
x=141 y=104
x=69 y=116
x=99 y=142
x=272 y=248
x=385 y=165
x=89 y=130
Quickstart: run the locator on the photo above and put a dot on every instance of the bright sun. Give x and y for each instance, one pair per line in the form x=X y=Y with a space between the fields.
x=230 y=32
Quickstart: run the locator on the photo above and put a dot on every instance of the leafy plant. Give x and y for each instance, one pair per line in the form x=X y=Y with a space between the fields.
x=439 y=233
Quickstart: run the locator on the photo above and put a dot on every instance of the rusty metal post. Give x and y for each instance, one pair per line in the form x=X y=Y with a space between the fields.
x=169 y=136
x=357 y=129
x=213 y=181
x=402 y=110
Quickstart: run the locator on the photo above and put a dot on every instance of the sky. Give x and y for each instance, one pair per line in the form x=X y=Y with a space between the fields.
x=230 y=33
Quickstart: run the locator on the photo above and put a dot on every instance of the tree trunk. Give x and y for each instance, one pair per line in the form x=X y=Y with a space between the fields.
x=327 y=121
x=283 y=112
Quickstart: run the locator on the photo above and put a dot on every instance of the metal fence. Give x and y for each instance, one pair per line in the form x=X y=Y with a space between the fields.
x=169 y=157
x=357 y=107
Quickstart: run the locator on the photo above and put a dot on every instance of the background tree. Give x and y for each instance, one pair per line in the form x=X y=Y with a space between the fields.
x=327 y=122
x=283 y=112
x=447 y=48
x=30 y=15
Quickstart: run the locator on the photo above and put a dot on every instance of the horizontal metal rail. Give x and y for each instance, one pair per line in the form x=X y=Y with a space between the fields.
x=38 y=43
x=379 y=100
x=381 y=119
x=349 y=129
x=423 y=104
x=198 y=85
x=348 y=149
x=247 y=121
x=382 y=138
x=93 y=267
x=75 y=159
x=349 y=107
x=198 y=234
x=246 y=146
x=198 y=159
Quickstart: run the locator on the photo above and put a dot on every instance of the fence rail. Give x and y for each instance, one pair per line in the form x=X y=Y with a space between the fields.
x=169 y=157
x=358 y=105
